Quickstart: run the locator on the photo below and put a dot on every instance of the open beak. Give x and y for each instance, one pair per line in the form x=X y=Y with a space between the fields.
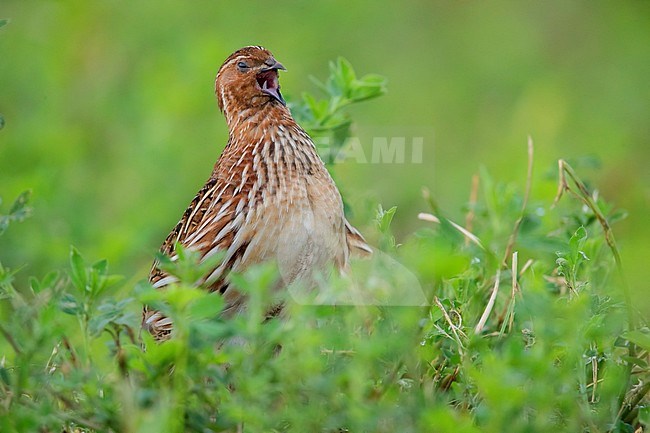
x=274 y=67
x=267 y=79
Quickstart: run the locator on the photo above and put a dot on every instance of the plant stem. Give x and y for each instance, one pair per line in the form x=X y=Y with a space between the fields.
x=586 y=198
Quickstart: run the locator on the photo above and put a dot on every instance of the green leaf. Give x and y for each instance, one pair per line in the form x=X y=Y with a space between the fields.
x=318 y=109
x=20 y=204
x=18 y=211
x=50 y=279
x=99 y=278
x=435 y=314
x=644 y=415
x=146 y=294
x=111 y=280
x=385 y=218
x=47 y=282
x=383 y=221
x=210 y=329
x=345 y=71
x=143 y=287
x=631 y=360
x=4 y=376
x=78 y=270
x=70 y=305
x=577 y=242
x=370 y=86
x=639 y=338
x=3 y=22
x=208 y=306
x=111 y=312
x=6 y=276
x=161 y=355
x=342 y=78
x=101 y=267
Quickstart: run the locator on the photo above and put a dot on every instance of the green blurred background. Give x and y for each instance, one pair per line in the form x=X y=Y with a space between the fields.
x=111 y=119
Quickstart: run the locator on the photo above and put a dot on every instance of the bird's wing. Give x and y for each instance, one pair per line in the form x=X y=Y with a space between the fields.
x=209 y=225
x=356 y=243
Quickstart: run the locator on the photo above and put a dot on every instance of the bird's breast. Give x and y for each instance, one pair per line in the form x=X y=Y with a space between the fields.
x=302 y=225
x=294 y=212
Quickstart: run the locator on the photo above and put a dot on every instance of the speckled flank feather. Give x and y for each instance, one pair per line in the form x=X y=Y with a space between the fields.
x=269 y=197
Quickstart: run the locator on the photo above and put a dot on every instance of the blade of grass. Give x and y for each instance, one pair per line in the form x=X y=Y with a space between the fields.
x=423 y=216
x=488 y=308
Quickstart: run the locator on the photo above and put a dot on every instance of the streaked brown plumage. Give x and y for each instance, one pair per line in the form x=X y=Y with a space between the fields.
x=269 y=197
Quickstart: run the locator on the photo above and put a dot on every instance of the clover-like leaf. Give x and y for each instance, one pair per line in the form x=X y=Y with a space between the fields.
x=70 y=305
x=78 y=270
x=112 y=312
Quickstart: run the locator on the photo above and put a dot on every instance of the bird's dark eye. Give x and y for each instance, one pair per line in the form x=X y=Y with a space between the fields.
x=243 y=66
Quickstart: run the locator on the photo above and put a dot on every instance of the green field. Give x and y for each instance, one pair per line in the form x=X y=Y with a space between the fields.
x=109 y=118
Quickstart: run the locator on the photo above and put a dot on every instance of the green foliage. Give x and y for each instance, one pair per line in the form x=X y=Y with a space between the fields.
x=324 y=119
x=553 y=354
x=384 y=220
x=641 y=339
x=541 y=341
x=569 y=262
x=17 y=212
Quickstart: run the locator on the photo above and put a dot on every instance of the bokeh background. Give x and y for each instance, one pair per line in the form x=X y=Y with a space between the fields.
x=111 y=119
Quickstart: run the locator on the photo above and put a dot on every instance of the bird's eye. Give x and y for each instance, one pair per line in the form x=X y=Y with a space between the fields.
x=243 y=66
